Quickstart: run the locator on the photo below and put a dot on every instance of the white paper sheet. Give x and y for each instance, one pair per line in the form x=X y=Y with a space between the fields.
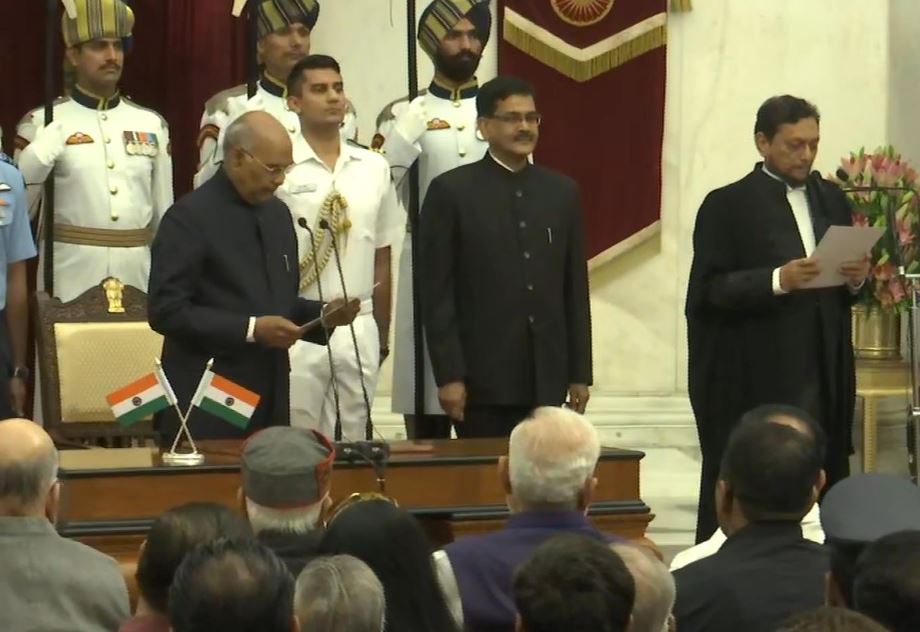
x=839 y=245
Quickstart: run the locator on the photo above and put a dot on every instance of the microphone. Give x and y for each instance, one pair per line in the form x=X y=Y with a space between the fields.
x=369 y=425
x=337 y=433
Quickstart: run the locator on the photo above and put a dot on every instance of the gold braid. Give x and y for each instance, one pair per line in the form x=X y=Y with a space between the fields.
x=335 y=211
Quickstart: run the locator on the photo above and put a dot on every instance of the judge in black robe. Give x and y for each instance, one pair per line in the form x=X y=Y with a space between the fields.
x=504 y=282
x=748 y=344
x=225 y=255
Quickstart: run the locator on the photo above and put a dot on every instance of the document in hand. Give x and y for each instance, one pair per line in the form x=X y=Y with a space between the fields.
x=839 y=245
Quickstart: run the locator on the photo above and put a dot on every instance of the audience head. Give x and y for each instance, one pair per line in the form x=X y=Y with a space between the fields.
x=257 y=155
x=28 y=470
x=175 y=534
x=887 y=583
x=576 y=584
x=771 y=469
x=508 y=117
x=232 y=586
x=339 y=594
x=286 y=479
x=857 y=511
x=786 y=134
x=655 y=589
x=392 y=543
x=551 y=461
x=830 y=619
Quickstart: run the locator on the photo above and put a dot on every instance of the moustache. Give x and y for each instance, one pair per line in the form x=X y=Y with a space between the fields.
x=111 y=67
x=523 y=136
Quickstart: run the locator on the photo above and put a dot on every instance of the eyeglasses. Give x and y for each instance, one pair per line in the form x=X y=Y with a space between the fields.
x=272 y=171
x=516 y=118
x=354 y=499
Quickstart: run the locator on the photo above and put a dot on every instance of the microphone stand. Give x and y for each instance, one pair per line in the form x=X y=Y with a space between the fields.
x=337 y=432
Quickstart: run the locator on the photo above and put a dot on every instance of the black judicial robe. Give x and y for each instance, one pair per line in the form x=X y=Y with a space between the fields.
x=504 y=285
x=217 y=260
x=748 y=347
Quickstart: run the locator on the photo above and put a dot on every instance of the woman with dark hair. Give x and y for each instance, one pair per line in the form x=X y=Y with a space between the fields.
x=392 y=543
x=173 y=535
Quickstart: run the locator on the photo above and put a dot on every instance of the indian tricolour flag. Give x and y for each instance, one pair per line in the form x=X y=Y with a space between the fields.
x=225 y=399
x=139 y=399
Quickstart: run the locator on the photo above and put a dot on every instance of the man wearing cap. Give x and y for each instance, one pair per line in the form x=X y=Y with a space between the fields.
x=284 y=28
x=349 y=188
x=438 y=129
x=110 y=159
x=285 y=490
x=856 y=512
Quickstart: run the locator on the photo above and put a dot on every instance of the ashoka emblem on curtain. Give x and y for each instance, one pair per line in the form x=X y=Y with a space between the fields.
x=582 y=12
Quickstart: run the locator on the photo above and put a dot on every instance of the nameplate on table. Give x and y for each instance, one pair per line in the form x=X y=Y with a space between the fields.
x=106 y=458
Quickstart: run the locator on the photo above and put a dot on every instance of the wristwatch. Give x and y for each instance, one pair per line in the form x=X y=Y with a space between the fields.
x=21 y=372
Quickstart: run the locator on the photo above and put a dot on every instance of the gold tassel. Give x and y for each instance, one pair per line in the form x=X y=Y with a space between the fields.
x=334 y=210
x=681 y=6
x=584 y=70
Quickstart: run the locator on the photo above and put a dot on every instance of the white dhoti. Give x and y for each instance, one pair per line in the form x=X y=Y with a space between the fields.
x=312 y=396
x=404 y=348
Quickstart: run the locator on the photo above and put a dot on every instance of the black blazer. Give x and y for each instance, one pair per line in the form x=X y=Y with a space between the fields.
x=504 y=284
x=216 y=261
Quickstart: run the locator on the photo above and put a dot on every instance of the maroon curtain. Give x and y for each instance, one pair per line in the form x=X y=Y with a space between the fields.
x=184 y=51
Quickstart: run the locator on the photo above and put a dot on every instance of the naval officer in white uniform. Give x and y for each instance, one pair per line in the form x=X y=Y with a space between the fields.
x=350 y=188
x=438 y=129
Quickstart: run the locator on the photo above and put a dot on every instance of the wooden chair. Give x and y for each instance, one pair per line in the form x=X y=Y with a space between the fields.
x=88 y=348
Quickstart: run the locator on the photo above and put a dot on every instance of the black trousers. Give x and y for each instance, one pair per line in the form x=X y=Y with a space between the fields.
x=490 y=421
x=427 y=426
x=6 y=367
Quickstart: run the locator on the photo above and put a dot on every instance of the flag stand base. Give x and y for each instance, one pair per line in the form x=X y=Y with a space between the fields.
x=187 y=459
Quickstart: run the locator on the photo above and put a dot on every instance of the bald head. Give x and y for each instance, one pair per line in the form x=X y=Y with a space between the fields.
x=257 y=153
x=551 y=459
x=28 y=468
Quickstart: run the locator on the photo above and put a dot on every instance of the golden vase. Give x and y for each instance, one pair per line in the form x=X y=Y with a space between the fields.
x=876 y=333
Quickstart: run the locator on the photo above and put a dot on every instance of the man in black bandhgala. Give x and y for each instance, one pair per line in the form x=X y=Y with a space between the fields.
x=224 y=279
x=755 y=335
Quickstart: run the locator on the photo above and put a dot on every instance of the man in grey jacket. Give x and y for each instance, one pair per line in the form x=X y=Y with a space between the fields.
x=47 y=582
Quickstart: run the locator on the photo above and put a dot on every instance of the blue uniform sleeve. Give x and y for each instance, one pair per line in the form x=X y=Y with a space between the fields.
x=18 y=241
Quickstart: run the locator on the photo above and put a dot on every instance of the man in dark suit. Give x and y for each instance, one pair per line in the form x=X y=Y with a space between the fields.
x=755 y=335
x=766 y=571
x=504 y=283
x=224 y=278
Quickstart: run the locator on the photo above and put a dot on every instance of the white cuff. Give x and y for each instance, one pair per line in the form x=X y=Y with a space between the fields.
x=251 y=330
x=856 y=288
x=777 y=287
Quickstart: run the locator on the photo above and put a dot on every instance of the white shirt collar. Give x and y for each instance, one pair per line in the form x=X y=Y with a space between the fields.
x=789 y=187
x=501 y=163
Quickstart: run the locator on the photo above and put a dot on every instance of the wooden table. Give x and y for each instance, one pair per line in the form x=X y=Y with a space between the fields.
x=451 y=486
x=876 y=379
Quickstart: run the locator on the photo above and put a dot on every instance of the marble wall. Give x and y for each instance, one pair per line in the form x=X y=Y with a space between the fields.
x=724 y=58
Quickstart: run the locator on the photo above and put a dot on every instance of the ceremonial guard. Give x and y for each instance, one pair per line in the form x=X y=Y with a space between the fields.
x=438 y=129
x=284 y=28
x=110 y=160
x=349 y=187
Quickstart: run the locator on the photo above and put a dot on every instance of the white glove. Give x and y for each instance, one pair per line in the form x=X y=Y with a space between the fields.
x=412 y=123
x=49 y=143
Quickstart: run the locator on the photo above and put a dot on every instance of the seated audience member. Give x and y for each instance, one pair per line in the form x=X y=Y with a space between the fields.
x=771 y=475
x=286 y=482
x=548 y=477
x=392 y=543
x=655 y=591
x=811 y=530
x=573 y=583
x=47 y=583
x=857 y=511
x=886 y=587
x=173 y=535
x=232 y=586
x=339 y=594
x=829 y=619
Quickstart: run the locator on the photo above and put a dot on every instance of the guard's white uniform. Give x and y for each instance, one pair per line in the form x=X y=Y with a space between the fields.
x=221 y=109
x=376 y=220
x=112 y=171
x=451 y=140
